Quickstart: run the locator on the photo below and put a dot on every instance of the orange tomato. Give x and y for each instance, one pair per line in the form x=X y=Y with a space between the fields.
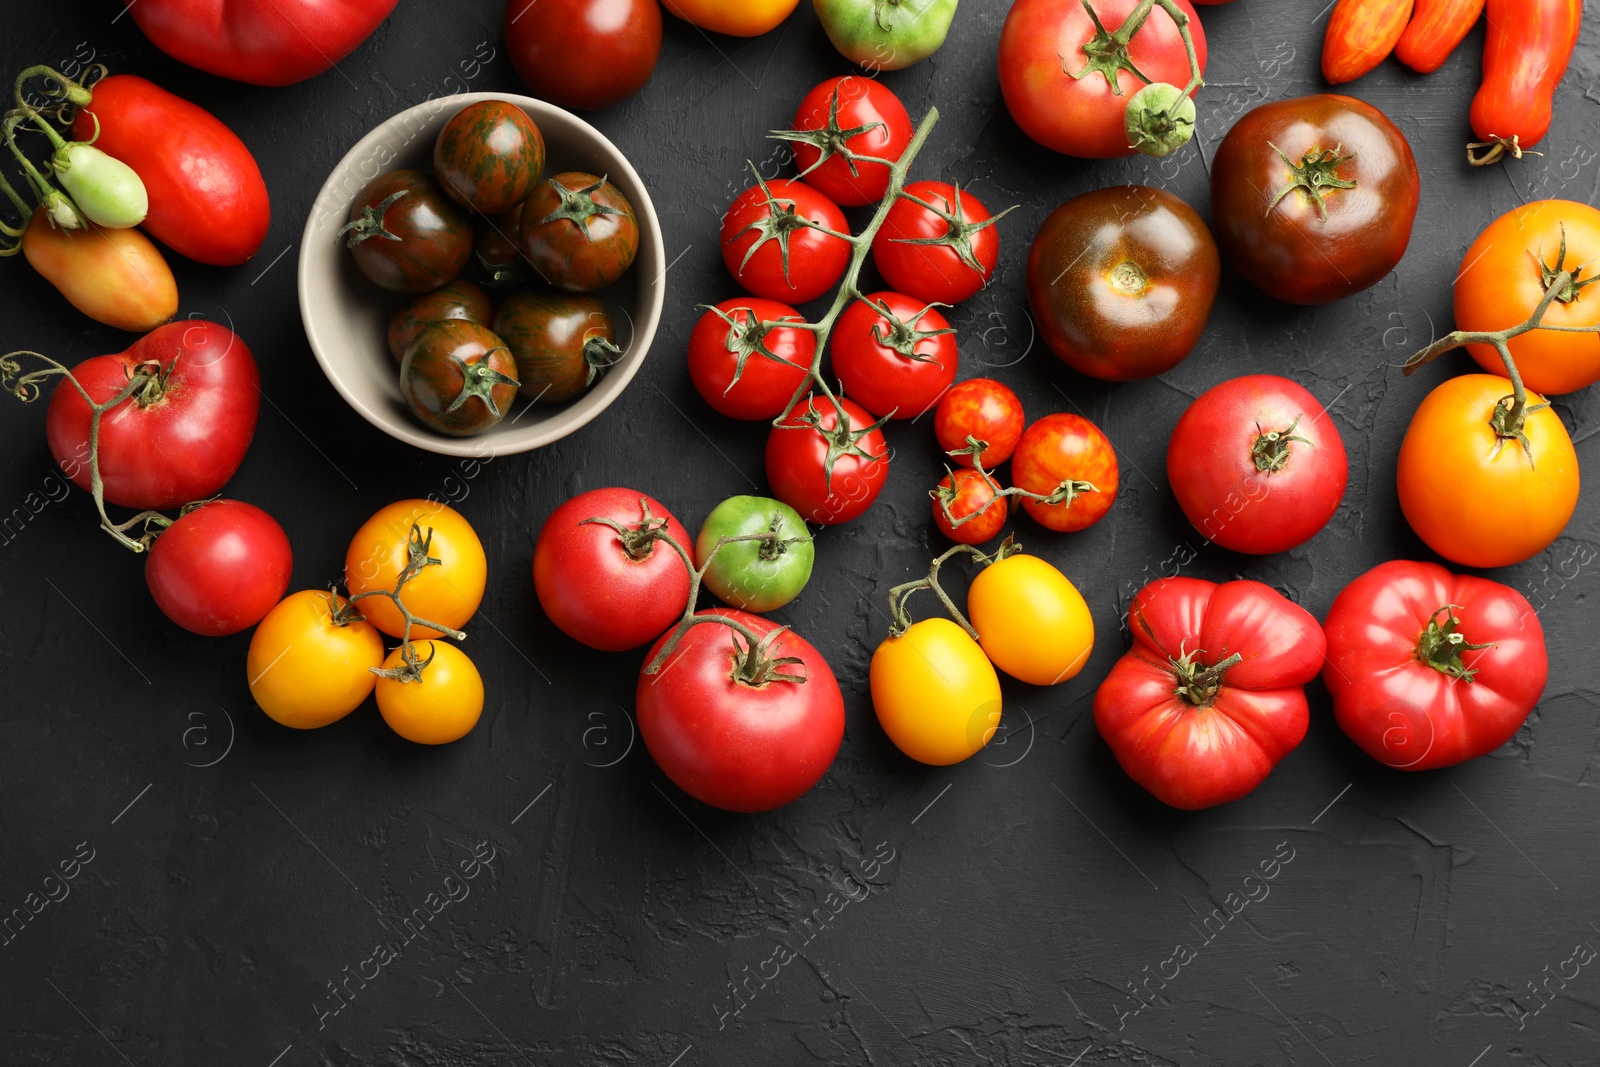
x=1477 y=498
x=1502 y=281
x=737 y=18
x=441 y=706
x=117 y=277
x=447 y=593
x=1361 y=34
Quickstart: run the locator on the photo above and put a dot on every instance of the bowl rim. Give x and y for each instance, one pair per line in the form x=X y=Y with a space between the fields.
x=609 y=387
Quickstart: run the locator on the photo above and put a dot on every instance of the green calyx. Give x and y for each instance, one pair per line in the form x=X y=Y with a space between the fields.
x=599 y=355
x=579 y=205
x=370 y=224
x=1568 y=282
x=1270 y=451
x=832 y=140
x=904 y=335
x=480 y=380
x=1441 y=645
x=1106 y=53
x=747 y=336
x=958 y=231
x=842 y=440
x=1197 y=683
x=780 y=221
x=755 y=665
x=1314 y=176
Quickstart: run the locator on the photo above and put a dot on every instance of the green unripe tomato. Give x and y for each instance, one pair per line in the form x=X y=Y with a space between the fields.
x=754 y=575
x=105 y=189
x=886 y=34
x=1159 y=119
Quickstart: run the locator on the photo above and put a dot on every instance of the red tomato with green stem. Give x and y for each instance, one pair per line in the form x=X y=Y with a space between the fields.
x=219 y=568
x=938 y=243
x=740 y=726
x=746 y=370
x=1068 y=457
x=840 y=120
x=1257 y=465
x=181 y=436
x=583 y=54
x=895 y=356
x=776 y=241
x=967 y=508
x=264 y=42
x=829 y=470
x=614 y=584
x=1429 y=669
x=979 y=408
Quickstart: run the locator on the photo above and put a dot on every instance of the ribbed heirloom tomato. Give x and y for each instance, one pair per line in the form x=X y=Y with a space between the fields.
x=447 y=593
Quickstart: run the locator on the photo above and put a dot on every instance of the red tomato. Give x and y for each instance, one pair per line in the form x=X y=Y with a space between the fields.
x=942 y=249
x=1257 y=465
x=773 y=253
x=1060 y=449
x=723 y=723
x=606 y=589
x=220 y=568
x=966 y=492
x=981 y=408
x=894 y=354
x=1059 y=97
x=732 y=363
x=1429 y=669
x=584 y=53
x=264 y=42
x=1210 y=697
x=828 y=473
x=207 y=198
x=181 y=438
x=1525 y=56
x=855 y=115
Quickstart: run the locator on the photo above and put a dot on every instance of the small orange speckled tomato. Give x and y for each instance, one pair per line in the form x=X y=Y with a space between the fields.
x=442 y=705
x=448 y=592
x=306 y=670
x=1061 y=451
x=967 y=493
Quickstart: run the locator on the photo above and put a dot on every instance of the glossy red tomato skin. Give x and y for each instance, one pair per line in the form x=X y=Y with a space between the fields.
x=263 y=42
x=816 y=260
x=183 y=447
x=584 y=54
x=764 y=386
x=1194 y=756
x=981 y=408
x=208 y=200
x=1059 y=448
x=1043 y=39
x=588 y=585
x=1407 y=714
x=1287 y=250
x=220 y=568
x=972 y=494
x=735 y=746
x=795 y=460
x=1222 y=490
x=879 y=377
x=934 y=273
x=861 y=102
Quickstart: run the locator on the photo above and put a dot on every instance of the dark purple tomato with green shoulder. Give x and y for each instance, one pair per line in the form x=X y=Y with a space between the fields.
x=488 y=156
x=1121 y=281
x=459 y=299
x=562 y=342
x=578 y=231
x=458 y=378
x=406 y=234
x=583 y=53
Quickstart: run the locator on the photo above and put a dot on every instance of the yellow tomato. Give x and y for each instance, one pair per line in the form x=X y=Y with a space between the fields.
x=1032 y=622
x=737 y=18
x=441 y=706
x=935 y=692
x=304 y=669
x=446 y=593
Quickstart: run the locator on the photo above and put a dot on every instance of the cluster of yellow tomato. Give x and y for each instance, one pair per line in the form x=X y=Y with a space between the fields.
x=935 y=689
x=311 y=662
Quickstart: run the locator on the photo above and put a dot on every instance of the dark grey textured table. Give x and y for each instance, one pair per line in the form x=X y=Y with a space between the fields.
x=1012 y=910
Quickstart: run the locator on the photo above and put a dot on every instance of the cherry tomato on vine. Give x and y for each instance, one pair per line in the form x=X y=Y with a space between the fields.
x=562 y=342
x=966 y=492
x=828 y=471
x=578 y=231
x=406 y=234
x=458 y=377
x=935 y=692
x=893 y=354
x=731 y=357
x=941 y=250
x=843 y=118
x=448 y=592
x=773 y=253
x=1059 y=450
x=982 y=408
x=607 y=589
x=220 y=568
x=583 y=53
x=306 y=670
x=488 y=155
x=755 y=576
x=456 y=300
x=442 y=705
x=1032 y=622
x=735 y=728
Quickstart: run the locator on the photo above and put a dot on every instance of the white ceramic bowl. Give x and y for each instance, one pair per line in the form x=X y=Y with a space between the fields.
x=347 y=317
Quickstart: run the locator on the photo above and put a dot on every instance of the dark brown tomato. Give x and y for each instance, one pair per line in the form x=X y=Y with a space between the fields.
x=488 y=156
x=1121 y=281
x=579 y=231
x=1313 y=198
x=495 y=245
x=458 y=377
x=457 y=300
x=406 y=235
x=584 y=53
x=562 y=342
